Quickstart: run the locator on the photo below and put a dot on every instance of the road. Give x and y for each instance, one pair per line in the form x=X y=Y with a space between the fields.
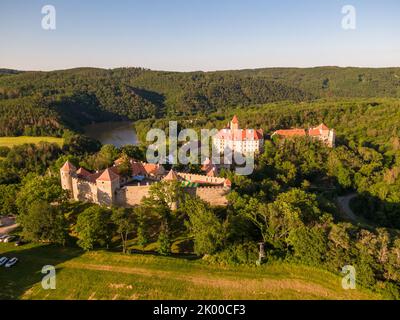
x=8 y=225
x=344 y=205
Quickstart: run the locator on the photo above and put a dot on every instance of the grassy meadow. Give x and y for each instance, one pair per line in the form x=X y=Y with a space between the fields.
x=108 y=275
x=13 y=141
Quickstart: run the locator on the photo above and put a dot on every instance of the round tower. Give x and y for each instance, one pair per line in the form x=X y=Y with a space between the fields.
x=67 y=171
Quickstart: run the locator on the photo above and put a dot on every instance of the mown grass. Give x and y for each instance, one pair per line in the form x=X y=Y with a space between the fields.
x=13 y=141
x=109 y=275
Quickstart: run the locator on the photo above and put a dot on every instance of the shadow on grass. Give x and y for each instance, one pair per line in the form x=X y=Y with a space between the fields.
x=177 y=255
x=15 y=281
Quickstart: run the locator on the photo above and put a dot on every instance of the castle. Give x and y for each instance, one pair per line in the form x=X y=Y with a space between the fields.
x=238 y=140
x=322 y=133
x=108 y=187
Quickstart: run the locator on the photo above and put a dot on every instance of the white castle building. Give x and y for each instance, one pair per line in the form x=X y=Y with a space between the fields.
x=244 y=141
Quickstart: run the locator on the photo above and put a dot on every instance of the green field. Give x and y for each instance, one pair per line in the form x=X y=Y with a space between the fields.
x=13 y=141
x=106 y=275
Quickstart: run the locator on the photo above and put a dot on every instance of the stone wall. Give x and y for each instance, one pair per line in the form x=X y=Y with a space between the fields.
x=215 y=196
x=131 y=195
x=84 y=190
x=197 y=177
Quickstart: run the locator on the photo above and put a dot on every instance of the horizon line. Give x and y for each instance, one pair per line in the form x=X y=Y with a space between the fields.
x=199 y=70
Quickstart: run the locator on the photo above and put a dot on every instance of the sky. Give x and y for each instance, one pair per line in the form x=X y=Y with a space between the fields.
x=189 y=35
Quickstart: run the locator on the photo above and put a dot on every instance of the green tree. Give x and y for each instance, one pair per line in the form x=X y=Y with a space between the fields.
x=143 y=216
x=162 y=199
x=208 y=231
x=124 y=221
x=39 y=188
x=275 y=220
x=43 y=222
x=8 y=194
x=93 y=228
x=125 y=167
x=309 y=244
x=102 y=159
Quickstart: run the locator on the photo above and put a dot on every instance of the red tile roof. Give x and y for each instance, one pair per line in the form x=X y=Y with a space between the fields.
x=138 y=169
x=240 y=134
x=154 y=169
x=290 y=132
x=171 y=176
x=83 y=172
x=321 y=130
x=68 y=166
x=108 y=175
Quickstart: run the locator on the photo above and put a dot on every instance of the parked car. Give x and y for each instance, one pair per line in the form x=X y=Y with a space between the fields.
x=3 y=237
x=9 y=239
x=3 y=260
x=11 y=262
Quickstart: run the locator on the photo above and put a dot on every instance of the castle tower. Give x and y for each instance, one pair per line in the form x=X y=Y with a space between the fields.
x=67 y=171
x=107 y=185
x=172 y=176
x=234 y=123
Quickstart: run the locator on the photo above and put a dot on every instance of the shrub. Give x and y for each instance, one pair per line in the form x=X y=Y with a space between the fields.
x=4 y=151
x=237 y=254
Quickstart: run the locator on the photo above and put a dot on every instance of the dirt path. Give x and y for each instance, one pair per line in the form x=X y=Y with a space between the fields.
x=344 y=205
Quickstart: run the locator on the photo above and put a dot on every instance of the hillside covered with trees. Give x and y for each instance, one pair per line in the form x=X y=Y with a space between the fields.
x=38 y=103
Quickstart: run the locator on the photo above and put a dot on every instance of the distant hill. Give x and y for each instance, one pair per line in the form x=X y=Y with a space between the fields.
x=8 y=71
x=43 y=103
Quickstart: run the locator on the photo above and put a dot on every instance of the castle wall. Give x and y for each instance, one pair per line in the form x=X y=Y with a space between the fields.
x=197 y=177
x=131 y=195
x=84 y=190
x=215 y=196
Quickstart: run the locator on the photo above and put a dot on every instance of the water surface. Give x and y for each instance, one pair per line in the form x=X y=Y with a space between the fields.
x=116 y=133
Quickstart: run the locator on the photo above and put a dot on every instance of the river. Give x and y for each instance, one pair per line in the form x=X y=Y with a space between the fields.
x=118 y=133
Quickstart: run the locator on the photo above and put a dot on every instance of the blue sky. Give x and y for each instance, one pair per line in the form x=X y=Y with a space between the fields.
x=187 y=35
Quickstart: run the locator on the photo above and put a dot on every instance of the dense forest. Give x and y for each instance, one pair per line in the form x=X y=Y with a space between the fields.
x=38 y=103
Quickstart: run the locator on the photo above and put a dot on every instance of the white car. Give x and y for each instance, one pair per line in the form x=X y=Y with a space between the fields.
x=9 y=239
x=11 y=262
x=3 y=260
x=3 y=237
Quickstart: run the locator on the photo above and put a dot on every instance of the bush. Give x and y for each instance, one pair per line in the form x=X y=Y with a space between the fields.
x=309 y=245
x=237 y=254
x=4 y=151
x=164 y=242
x=390 y=290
